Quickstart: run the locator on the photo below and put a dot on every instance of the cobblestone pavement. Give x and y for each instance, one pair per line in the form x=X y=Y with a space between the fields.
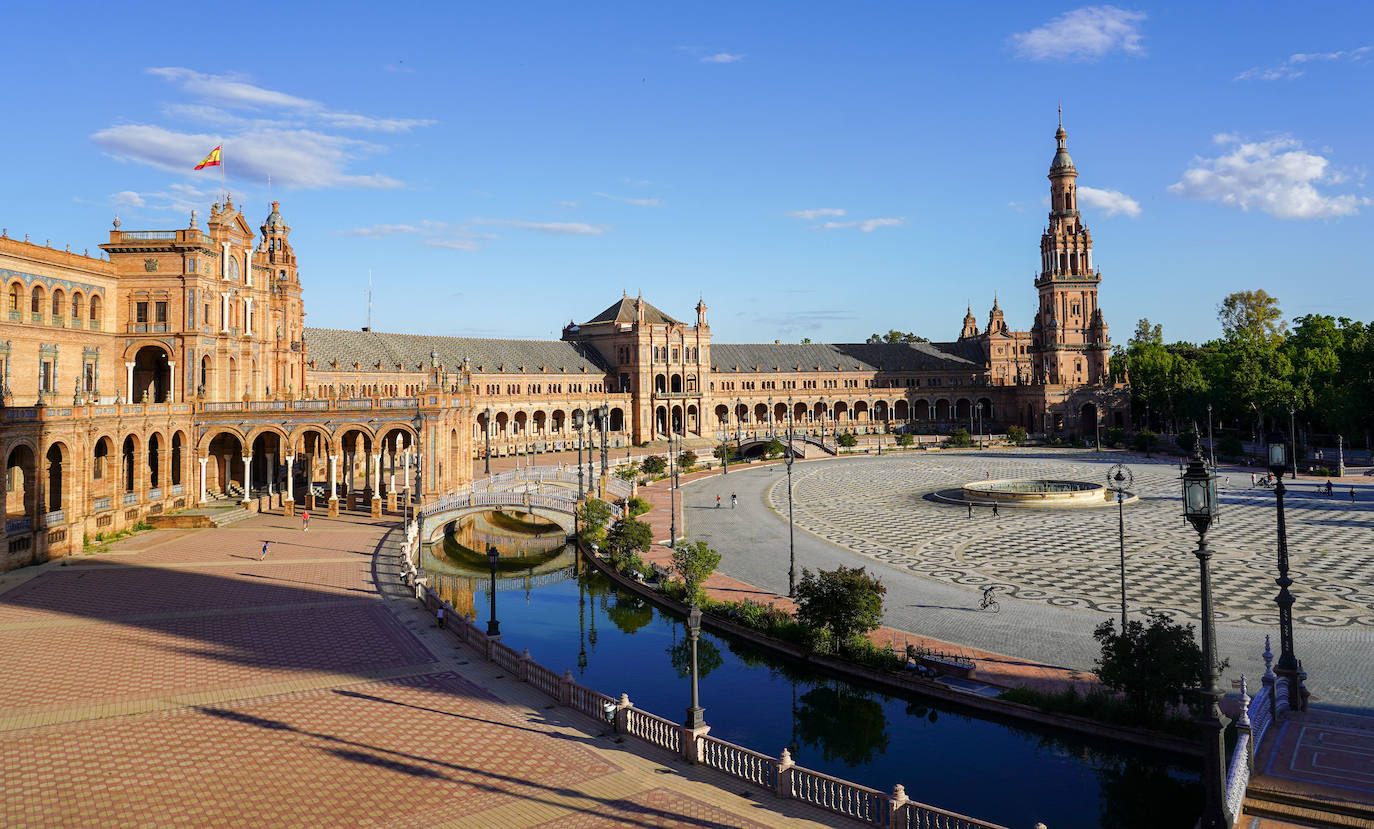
x=1059 y=570
x=180 y=681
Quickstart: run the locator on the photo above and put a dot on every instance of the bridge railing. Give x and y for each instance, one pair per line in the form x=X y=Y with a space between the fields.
x=778 y=775
x=1256 y=715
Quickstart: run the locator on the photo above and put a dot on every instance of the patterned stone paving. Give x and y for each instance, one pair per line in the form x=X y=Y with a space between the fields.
x=1069 y=557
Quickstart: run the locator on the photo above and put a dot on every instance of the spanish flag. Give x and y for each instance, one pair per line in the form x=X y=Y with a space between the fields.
x=211 y=160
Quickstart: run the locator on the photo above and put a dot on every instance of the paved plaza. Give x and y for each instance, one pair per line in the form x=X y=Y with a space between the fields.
x=179 y=681
x=1058 y=571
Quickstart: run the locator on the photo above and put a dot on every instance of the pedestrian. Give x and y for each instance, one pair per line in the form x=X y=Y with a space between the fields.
x=970 y=509
x=1329 y=489
x=717 y=502
x=994 y=509
x=264 y=550
x=1352 y=495
x=439 y=614
x=1252 y=480
x=734 y=499
x=305 y=521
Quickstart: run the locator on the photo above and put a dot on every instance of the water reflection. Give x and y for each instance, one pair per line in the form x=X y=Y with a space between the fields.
x=846 y=724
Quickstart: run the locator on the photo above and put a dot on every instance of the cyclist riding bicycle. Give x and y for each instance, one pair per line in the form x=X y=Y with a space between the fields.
x=988 y=598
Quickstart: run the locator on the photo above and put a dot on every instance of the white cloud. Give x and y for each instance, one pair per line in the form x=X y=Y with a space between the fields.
x=816 y=213
x=453 y=244
x=1088 y=33
x=568 y=205
x=558 y=228
x=352 y=120
x=127 y=198
x=866 y=225
x=1113 y=201
x=721 y=57
x=377 y=231
x=1276 y=176
x=294 y=158
x=1288 y=68
x=629 y=200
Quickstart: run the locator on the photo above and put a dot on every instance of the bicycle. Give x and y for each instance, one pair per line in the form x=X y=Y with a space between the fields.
x=990 y=603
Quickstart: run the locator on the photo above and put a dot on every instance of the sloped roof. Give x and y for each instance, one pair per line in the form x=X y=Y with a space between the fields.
x=956 y=356
x=411 y=351
x=623 y=310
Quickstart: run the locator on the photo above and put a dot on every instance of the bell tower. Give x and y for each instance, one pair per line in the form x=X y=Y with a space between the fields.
x=286 y=321
x=1070 y=342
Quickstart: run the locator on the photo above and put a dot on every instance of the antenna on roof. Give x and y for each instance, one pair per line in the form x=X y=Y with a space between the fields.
x=368 y=327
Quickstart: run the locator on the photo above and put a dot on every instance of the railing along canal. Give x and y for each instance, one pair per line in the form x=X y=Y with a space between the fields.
x=1256 y=715
x=778 y=775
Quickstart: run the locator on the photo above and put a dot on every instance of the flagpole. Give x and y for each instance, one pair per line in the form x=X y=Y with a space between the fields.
x=223 y=188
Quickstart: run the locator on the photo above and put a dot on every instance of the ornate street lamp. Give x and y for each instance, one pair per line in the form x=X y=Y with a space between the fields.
x=487 y=465
x=1288 y=662
x=605 y=426
x=672 y=490
x=1211 y=445
x=695 y=713
x=578 y=422
x=1340 y=456
x=1119 y=479
x=1200 y=508
x=1292 y=431
x=791 y=531
x=493 y=626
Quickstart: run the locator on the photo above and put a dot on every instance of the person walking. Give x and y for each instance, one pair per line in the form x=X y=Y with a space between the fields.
x=1352 y=495
x=264 y=550
x=994 y=509
x=970 y=509
x=305 y=521
x=439 y=614
x=1329 y=489
x=717 y=502
x=734 y=499
x=1252 y=480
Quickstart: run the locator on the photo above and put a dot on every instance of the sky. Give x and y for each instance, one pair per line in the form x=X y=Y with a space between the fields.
x=822 y=170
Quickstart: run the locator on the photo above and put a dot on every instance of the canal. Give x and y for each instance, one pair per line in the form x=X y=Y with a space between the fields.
x=572 y=617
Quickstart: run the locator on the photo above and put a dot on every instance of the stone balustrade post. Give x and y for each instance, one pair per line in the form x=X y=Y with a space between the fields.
x=525 y=665
x=622 y=714
x=693 y=746
x=899 y=802
x=565 y=686
x=785 y=765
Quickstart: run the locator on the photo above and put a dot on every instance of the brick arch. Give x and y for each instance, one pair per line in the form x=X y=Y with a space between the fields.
x=258 y=431
x=203 y=444
x=296 y=439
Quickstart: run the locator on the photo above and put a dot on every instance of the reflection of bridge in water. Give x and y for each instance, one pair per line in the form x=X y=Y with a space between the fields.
x=458 y=585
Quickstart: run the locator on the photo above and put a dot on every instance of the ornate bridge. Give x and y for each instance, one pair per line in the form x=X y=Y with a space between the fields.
x=801 y=444
x=436 y=516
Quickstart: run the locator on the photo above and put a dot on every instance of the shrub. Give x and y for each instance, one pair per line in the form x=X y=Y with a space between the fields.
x=1116 y=436
x=654 y=465
x=845 y=602
x=687 y=460
x=905 y=439
x=637 y=506
x=722 y=452
x=695 y=563
x=959 y=437
x=1016 y=435
x=847 y=440
x=774 y=448
x=1231 y=445
x=1187 y=441
x=626 y=540
x=591 y=519
x=1155 y=665
x=627 y=471
x=1145 y=441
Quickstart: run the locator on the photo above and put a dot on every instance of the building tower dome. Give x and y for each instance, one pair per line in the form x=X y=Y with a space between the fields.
x=1062 y=162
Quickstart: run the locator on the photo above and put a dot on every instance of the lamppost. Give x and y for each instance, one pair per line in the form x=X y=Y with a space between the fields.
x=493 y=626
x=1293 y=432
x=1119 y=479
x=1340 y=456
x=1288 y=662
x=487 y=464
x=1200 y=508
x=577 y=428
x=1211 y=445
x=605 y=426
x=672 y=491
x=695 y=713
x=791 y=532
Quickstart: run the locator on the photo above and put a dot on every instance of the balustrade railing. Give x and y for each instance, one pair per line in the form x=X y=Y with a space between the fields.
x=155 y=494
x=57 y=516
x=1256 y=715
x=100 y=504
x=739 y=762
x=654 y=729
x=839 y=796
x=506 y=657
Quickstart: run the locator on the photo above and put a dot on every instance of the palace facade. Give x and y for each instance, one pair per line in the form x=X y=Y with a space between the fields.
x=176 y=369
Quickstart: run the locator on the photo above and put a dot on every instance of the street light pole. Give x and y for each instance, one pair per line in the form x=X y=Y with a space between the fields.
x=1288 y=661
x=577 y=428
x=695 y=713
x=487 y=465
x=605 y=425
x=791 y=531
x=1211 y=445
x=1200 y=508
x=493 y=626
x=1293 y=433
x=1119 y=479
x=672 y=491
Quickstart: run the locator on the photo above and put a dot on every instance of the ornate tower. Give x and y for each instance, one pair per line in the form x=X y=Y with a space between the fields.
x=970 y=325
x=286 y=313
x=1070 y=341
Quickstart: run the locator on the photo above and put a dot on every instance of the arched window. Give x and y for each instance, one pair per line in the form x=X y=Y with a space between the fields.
x=95 y=310
x=76 y=307
x=59 y=304
x=15 y=293
x=36 y=300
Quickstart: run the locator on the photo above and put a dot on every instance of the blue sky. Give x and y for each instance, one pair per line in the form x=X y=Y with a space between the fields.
x=811 y=169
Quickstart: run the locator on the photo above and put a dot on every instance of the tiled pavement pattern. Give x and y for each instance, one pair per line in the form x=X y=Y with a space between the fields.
x=178 y=681
x=1324 y=756
x=1069 y=557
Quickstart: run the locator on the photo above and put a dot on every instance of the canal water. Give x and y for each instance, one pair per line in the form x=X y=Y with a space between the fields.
x=616 y=642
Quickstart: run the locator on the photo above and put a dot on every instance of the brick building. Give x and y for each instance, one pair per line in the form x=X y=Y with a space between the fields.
x=176 y=369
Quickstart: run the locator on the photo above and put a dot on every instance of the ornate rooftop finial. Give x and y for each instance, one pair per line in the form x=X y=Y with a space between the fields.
x=116 y=222
x=193 y=217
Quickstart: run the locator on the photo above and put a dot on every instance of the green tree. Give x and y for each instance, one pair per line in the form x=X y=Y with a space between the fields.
x=637 y=506
x=629 y=612
x=847 y=440
x=687 y=460
x=591 y=520
x=654 y=464
x=959 y=437
x=895 y=336
x=1016 y=435
x=1147 y=334
x=845 y=602
x=1251 y=315
x=708 y=657
x=774 y=448
x=1146 y=441
x=627 y=471
x=723 y=452
x=905 y=439
x=626 y=540
x=1155 y=665
x=844 y=722
x=695 y=563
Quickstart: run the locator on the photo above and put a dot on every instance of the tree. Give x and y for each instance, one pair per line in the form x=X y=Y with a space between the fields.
x=627 y=471
x=1146 y=441
x=845 y=602
x=843 y=721
x=1016 y=435
x=905 y=439
x=1147 y=334
x=695 y=563
x=626 y=540
x=895 y=336
x=1154 y=665
x=722 y=452
x=653 y=465
x=805 y=340
x=591 y=519
x=774 y=448
x=687 y=460
x=1251 y=315
x=847 y=440
x=959 y=437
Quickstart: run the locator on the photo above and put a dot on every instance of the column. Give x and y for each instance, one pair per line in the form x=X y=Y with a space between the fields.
x=271 y=473
x=247 y=477
x=203 y=462
x=129 y=383
x=171 y=381
x=227 y=470
x=376 y=485
x=223 y=312
x=333 y=484
x=290 y=484
x=248 y=315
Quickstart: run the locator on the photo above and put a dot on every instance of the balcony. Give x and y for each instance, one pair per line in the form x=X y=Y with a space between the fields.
x=148 y=236
x=18 y=525
x=130 y=498
x=100 y=504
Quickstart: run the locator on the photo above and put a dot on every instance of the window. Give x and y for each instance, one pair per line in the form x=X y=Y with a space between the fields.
x=191 y=265
x=76 y=307
x=95 y=310
x=160 y=312
x=675 y=355
x=45 y=378
x=36 y=300
x=140 y=312
x=233 y=268
x=59 y=302
x=14 y=297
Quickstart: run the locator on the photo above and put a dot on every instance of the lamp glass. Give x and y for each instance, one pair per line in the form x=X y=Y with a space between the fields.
x=1277 y=454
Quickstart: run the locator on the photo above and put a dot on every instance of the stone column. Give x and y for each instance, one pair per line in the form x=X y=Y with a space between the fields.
x=391 y=477
x=333 y=486
x=171 y=381
x=376 y=485
x=271 y=473
x=247 y=478
x=228 y=473
x=129 y=383
x=289 y=505
x=203 y=461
